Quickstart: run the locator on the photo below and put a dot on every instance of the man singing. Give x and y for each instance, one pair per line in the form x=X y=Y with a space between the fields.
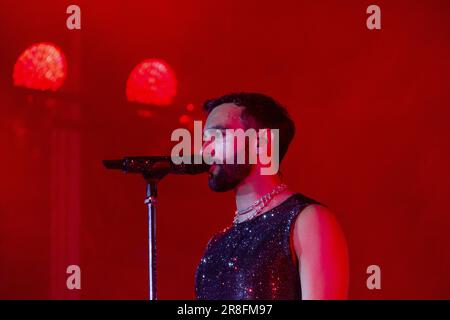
x=281 y=244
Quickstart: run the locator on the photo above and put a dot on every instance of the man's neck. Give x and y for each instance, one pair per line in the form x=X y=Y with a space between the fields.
x=254 y=187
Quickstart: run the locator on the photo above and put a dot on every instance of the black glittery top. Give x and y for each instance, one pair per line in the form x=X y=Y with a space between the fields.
x=253 y=259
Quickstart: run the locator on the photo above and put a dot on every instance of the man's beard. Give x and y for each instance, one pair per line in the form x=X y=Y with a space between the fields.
x=226 y=177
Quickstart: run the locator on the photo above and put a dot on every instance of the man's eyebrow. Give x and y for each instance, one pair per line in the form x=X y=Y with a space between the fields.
x=218 y=127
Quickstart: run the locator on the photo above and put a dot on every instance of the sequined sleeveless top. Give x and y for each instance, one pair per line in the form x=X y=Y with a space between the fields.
x=253 y=259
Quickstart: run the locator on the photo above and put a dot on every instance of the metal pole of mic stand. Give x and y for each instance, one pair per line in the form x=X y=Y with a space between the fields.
x=150 y=201
x=153 y=169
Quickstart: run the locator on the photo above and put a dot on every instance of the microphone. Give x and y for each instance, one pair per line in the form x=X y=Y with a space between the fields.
x=157 y=165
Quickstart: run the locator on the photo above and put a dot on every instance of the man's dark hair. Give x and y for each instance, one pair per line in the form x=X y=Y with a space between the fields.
x=267 y=113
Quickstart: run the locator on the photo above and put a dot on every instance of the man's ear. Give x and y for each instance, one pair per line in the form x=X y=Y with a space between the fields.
x=263 y=140
x=269 y=145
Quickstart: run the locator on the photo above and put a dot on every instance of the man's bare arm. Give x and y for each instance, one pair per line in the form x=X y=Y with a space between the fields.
x=322 y=251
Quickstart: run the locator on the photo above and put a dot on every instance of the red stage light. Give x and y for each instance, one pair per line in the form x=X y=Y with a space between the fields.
x=41 y=66
x=185 y=119
x=152 y=82
x=190 y=107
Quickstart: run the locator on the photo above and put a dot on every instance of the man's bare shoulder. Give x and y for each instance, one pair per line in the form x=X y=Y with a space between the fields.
x=314 y=227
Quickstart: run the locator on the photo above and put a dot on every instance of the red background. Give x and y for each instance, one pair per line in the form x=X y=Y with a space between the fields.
x=371 y=107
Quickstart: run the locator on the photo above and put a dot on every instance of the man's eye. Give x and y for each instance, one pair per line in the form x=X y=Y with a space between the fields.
x=221 y=131
x=213 y=132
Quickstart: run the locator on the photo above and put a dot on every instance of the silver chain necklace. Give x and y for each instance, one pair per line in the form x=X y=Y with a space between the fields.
x=256 y=208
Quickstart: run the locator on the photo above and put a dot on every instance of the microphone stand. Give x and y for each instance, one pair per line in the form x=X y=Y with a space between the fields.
x=153 y=169
x=151 y=201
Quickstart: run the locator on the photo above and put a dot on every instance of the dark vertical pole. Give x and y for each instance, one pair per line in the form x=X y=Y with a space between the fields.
x=150 y=201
